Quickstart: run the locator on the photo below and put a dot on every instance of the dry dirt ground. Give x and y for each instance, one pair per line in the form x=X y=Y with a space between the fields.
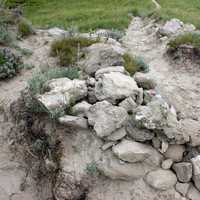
x=180 y=87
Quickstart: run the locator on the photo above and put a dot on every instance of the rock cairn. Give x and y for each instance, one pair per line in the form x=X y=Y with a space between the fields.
x=142 y=134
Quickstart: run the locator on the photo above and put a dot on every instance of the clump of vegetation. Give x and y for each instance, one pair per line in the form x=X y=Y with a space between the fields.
x=14 y=3
x=37 y=82
x=24 y=28
x=10 y=64
x=134 y=64
x=5 y=37
x=91 y=169
x=68 y=49
x=192 y=39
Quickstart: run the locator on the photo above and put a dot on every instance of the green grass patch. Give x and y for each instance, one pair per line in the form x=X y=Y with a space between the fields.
x=192 y=39
x=134 y=64
x=68 y=49
x=85 y=14
x=37 y=82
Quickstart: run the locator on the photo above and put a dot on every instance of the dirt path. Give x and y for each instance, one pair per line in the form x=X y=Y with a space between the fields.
x=178 y=85
x=12 y=171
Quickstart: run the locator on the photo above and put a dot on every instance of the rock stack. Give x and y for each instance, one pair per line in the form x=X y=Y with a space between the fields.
x=142 y=134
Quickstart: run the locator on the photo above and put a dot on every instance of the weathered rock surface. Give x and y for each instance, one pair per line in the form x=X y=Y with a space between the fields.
x=174 y=129
x=193 y=193
x=107 y=70
x=161 y=179
x=117 y=135
x=153 y=115
x=166 y=164
x=128 y=104
x=73 y=121
x=138 y=134
x=61 y=92
x=191 y=128
x=116 y=86
x=182 y=188
x=81 y=108
x=175 y=152
x=133 y=152
x=196 y=171
x=113 y=168
x=171 y=27
x=144 y=80
x=106 y=118
x=183 y=171
x=100 y=56
x=54 y=100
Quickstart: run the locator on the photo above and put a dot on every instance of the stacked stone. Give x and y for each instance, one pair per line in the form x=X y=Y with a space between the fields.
x=142 y=134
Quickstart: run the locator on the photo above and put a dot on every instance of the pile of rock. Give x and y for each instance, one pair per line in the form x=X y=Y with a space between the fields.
x=142 y=134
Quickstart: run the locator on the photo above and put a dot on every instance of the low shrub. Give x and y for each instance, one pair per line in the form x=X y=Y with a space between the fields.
x=67 y=49
x=36 y=83
x=10 y=64
x=134 y=64
x=192 y=39
x=24 y=28
x=5 y=36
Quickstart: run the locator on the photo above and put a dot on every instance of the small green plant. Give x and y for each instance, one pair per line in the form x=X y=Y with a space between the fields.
x=192 y=39
x=37 y=82
x=67 y=49
x=91 y=169
x=24 y=28
x=5 y=37
x=134 y=64
x=10 y=64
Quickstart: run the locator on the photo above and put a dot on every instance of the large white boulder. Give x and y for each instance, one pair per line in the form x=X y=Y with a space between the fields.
x=116 y=86
x=161 y=179
x=134 y=152
x=61 y=92
x=106 y=118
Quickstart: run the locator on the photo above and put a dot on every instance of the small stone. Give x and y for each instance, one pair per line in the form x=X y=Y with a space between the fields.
x=156 y=143
x=182 y=188
x=128 y=104
x=175 y=152
x=161 y=179
x=133 y=152
x=183 y=171
x=108 y=145
x=144 y=80
x=164 y=147
x=166 y=164
x=81 y=108
x=91 y=81
x=196 y=171
x=73 y=121
x=117 y=135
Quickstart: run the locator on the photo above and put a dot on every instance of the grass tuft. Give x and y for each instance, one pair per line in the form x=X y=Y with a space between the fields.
x=67 y=49
x=24 y=28
x=192 y=39
x=37 y=82
x=134 y=64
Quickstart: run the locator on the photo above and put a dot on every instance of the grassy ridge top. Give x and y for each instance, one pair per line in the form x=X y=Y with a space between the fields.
x=86 y=14
x=93 y=14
